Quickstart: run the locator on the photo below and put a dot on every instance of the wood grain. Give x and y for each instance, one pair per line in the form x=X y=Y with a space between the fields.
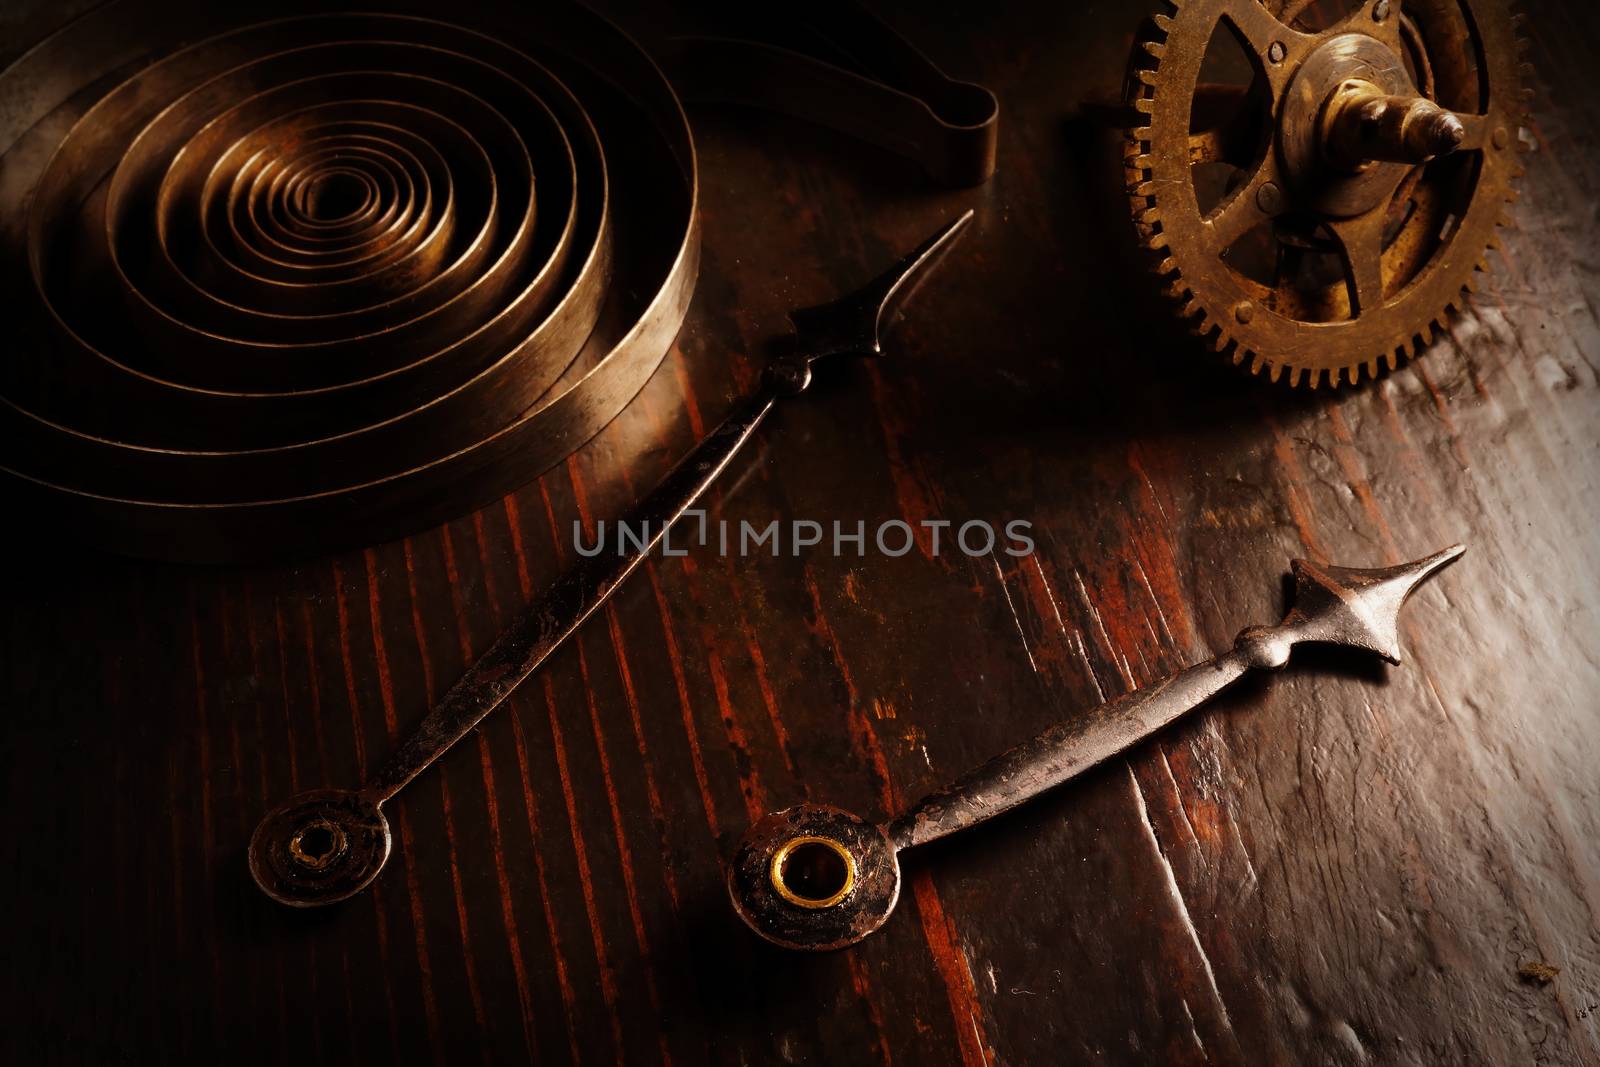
x=1348 y=865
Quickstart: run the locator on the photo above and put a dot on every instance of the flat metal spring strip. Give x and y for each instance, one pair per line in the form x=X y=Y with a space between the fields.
x=284 y=280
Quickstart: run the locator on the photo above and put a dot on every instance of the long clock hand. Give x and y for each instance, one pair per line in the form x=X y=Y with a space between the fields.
x=328 y=844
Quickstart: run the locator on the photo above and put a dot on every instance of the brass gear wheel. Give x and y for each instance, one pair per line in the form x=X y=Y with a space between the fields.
x=1318 y=180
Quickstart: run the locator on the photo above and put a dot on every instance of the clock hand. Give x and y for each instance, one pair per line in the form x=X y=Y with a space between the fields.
x=328 y=844
x=816 y=877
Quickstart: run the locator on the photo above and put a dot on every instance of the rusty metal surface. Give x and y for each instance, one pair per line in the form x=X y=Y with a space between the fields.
x=1317 y=217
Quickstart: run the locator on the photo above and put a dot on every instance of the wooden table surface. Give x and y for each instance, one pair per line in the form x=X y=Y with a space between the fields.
x=1348 y=864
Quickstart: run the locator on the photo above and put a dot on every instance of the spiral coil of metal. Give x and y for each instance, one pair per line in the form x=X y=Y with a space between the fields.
x=283 y=280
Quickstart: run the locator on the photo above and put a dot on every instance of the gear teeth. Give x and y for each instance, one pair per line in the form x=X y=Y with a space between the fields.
x=1146 y=89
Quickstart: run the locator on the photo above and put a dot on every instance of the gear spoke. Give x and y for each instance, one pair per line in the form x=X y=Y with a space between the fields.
x=1360 y=243
x=1375 y=18
x=1276 y=47
x=1258 y=200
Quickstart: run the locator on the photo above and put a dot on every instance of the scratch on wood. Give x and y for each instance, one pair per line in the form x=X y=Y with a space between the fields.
x=1000 y=574
x=1194 y=1031
x=957 y=977
x=1301 y=508
x=1117 y=660
x=1249 y=864
x=1137 y=465
x=1166 y=765
x=1083 y=654
x=1050 y=594
x=977 y=1036
x=1155 y=602
x=1177 y=898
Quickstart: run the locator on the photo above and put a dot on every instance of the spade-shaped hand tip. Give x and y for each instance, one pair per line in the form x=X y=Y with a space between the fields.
x=1358 y=608
x=851 y=324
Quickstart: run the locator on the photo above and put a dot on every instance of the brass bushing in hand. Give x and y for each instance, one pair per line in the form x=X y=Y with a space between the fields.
x=780 y=858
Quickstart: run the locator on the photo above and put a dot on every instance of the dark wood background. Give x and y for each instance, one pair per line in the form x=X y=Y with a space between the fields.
x=1348 y=865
